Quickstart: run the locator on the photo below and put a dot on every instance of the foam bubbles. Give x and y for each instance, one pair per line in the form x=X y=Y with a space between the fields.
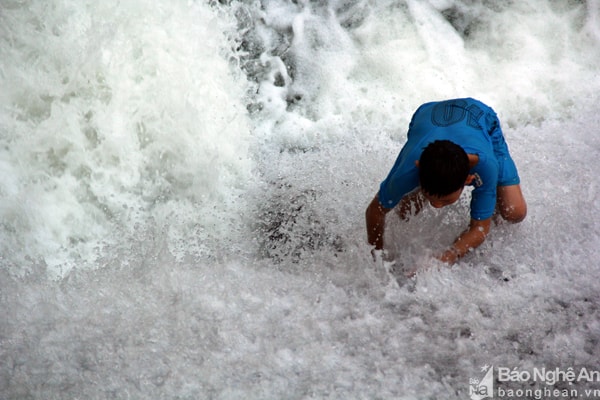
x=116 y=122
x=395 y=56
x=225 y=257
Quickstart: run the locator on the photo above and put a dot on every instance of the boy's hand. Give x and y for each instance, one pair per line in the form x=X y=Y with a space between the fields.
x=450 y=256
x=377 y=255
x=467 y=241
x=381 y=256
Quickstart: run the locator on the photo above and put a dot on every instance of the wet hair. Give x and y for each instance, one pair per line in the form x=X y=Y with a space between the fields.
x=443 y=168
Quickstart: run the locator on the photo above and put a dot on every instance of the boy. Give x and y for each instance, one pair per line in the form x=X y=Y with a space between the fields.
x=451 y=144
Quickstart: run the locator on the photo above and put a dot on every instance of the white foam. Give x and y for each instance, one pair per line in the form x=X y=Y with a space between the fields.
x=117 y=120
x=125 y=146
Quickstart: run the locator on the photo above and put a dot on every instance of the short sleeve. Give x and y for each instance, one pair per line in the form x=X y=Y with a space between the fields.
x=483 y=197
x=397 y=184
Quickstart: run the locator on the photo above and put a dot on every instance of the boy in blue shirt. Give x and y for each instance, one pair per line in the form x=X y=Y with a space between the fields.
x=451 y=144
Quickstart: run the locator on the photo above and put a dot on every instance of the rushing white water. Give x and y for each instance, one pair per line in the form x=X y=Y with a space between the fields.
x=183 y=187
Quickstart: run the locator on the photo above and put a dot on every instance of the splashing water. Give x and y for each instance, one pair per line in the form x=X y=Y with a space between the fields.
x=116 y=125
x=184 y=184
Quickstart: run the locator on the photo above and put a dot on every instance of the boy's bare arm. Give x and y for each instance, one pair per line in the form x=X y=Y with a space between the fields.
x=468 y=240
x=410 y=204
x=375 y=218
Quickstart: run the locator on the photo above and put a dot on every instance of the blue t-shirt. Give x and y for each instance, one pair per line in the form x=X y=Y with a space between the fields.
x=468 y=123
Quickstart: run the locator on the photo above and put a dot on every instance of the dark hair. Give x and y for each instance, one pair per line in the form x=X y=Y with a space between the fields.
x=443 y=168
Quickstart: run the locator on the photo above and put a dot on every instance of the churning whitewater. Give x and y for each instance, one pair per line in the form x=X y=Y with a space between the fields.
x=183 y=187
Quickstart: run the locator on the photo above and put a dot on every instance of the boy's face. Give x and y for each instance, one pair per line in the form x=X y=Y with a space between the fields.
x=443 y=201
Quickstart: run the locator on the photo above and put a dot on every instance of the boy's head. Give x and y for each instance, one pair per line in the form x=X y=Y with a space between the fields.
x=443 y=170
